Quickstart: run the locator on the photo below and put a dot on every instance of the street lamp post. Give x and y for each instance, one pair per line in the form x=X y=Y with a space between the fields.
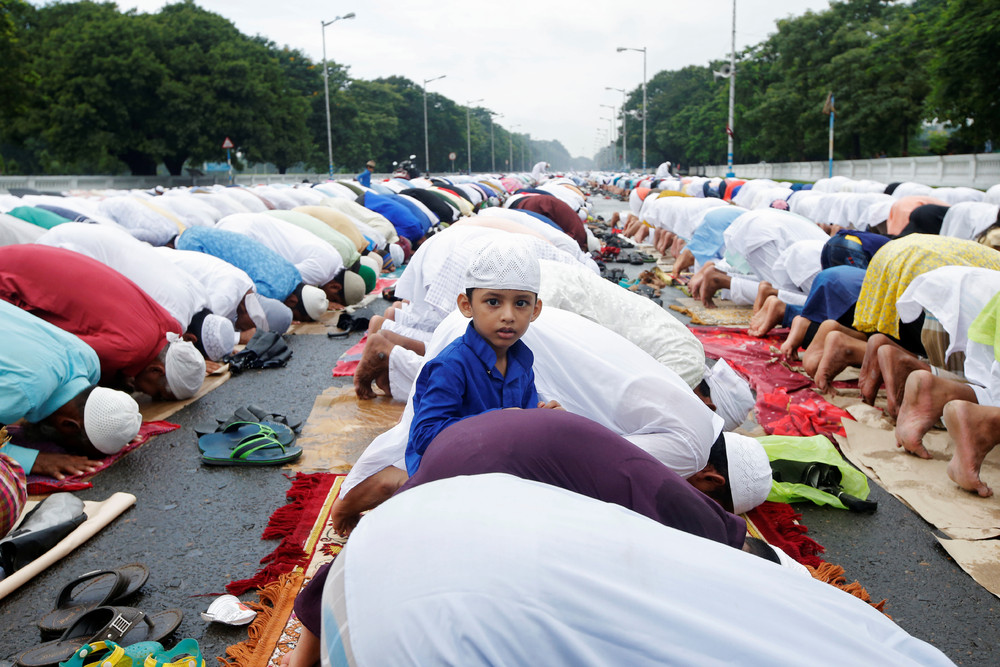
x=732 y=100
x=468 y=128
x=624 y=126
x=493 y=152
x=510 y=135
x=643 y=49
x=326 y=89
x=427 y=144
x=611 y=135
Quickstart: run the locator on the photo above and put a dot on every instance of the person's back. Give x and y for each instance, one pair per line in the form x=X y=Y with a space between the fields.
x=489 y=367
x=365 y=177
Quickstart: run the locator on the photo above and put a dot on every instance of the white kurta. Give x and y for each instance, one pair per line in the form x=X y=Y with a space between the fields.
x=497 y=570
x=317 y=261
x=967 y=220
x=225 y=284
x=759 y=237
x=170 y=286
x=14 y=230
x=143 y=222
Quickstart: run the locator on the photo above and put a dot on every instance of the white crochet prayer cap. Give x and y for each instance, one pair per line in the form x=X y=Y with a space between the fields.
x=730 y=393
x=790 y=563
x=749 y=472
x=184 y=366
x=504 y=263
x=314 y=301
x=218 y=337
x=354 y=288
x=256 y=311
x=396 y=252
x=110 y=419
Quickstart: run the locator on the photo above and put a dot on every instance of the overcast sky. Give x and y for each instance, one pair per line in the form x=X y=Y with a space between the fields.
x=543 y=64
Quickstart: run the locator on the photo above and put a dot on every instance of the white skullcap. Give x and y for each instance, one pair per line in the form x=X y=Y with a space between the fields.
x=730 y=393
x=749 y=472
x=279 y=316
x=185 y=367
x=110 y=419
x=256 y=311
x=314 y=301
x=504 y=263
x=218 y=337
x=790 y=563
x=374 y=264
x=396 y=252
x=354 y=288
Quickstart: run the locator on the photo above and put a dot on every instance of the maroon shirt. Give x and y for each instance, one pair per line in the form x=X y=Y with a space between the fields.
x=558 y=212
x=80 y=295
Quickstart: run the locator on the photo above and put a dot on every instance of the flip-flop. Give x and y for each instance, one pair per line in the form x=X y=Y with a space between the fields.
x=92 y=590
x=121 y=625
x=185 y=654
x=255 y=449
x=237 y=432
x=110 y=654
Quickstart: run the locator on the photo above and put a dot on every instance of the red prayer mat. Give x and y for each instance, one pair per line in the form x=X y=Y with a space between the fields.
x=42 y=484
x=786 y=401
x=348 y=361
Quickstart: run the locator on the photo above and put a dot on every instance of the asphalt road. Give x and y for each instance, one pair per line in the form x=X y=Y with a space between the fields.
x=197 y=528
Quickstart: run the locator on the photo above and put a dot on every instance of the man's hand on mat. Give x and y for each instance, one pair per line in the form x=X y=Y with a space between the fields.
x=61 y=466
x=551 y=405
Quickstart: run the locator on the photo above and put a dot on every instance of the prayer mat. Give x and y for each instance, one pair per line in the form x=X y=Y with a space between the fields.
x=153 y=411
x=923 y=484
x=340 y=427
x=309 y=542
x=348 y=361
x=43 y=484
x=787 y=401
x=99 y=515
x=725 y=314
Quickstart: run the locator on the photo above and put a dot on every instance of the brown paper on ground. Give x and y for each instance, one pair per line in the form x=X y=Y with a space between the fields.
x=340 y=427
x=157 y=410
x=979 y=558
x=924 y=484
x=99 y=515
x=726 y=314
x=323 y=325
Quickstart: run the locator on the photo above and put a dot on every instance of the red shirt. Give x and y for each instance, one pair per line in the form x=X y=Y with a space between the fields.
x=80 y=295
x=558 y=212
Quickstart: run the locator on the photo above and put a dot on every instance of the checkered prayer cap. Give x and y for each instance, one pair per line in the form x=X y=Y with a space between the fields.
x=504 y=263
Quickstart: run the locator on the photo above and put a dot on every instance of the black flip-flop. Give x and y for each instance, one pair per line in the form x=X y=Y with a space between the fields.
x=122 y=625
x=92 y=590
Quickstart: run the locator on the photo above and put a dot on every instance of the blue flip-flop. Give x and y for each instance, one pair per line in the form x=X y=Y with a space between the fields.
x=246 y=446
x=236 y=432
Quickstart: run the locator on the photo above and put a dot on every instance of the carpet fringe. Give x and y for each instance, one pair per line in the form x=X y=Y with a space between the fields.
x=832 y=574
x=778 y=523
x=259 y=631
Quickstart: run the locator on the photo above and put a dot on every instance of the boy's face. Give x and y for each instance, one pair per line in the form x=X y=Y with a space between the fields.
x=501 y=316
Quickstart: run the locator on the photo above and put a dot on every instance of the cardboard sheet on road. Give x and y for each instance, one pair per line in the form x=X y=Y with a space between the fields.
x=726 y=313
x=979 y=558
x=340 y=427
x=159 y=410
x=924 y=484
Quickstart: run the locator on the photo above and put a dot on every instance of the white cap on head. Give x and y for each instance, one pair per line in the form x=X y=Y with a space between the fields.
x=730 y=393
x=749 y=472
x=256 y=311
x=504 y=263
x=218 y=337
x=374 y=264
x=354 y=287
x=314 y=301
x=184 y=366
x=110 y=419
x=396 y=252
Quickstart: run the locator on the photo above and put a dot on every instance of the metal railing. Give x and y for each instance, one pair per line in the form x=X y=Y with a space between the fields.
x=980 y=170
x=71 y=183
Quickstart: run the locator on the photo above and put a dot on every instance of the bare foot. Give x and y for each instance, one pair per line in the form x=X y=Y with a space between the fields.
x=796 y=334
x=768 y=317
x=641 y=233
x=839 y=352
x=969 y=425
x=677 y=247
x=896 y=365
x=375 y=323
x=811 y=359
x=870 y=378
x=924 y=398
x=389 y=313
x=373 y=367
x=764 y=290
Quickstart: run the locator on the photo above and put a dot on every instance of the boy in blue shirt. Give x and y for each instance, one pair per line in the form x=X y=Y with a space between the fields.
x=489 y=367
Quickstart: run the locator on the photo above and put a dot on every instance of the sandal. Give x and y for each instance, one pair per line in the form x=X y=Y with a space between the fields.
x=185 y=654
x=254 y=449
x=236 y=432
x=91 y=590
x=110 y=654
x=121 y=625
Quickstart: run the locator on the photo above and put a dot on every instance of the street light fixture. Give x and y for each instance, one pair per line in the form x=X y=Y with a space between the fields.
x=326 y=89
x=643 y=49
x=427 y=145
x=493 y=153
x=624 y=126
x=468 y=128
